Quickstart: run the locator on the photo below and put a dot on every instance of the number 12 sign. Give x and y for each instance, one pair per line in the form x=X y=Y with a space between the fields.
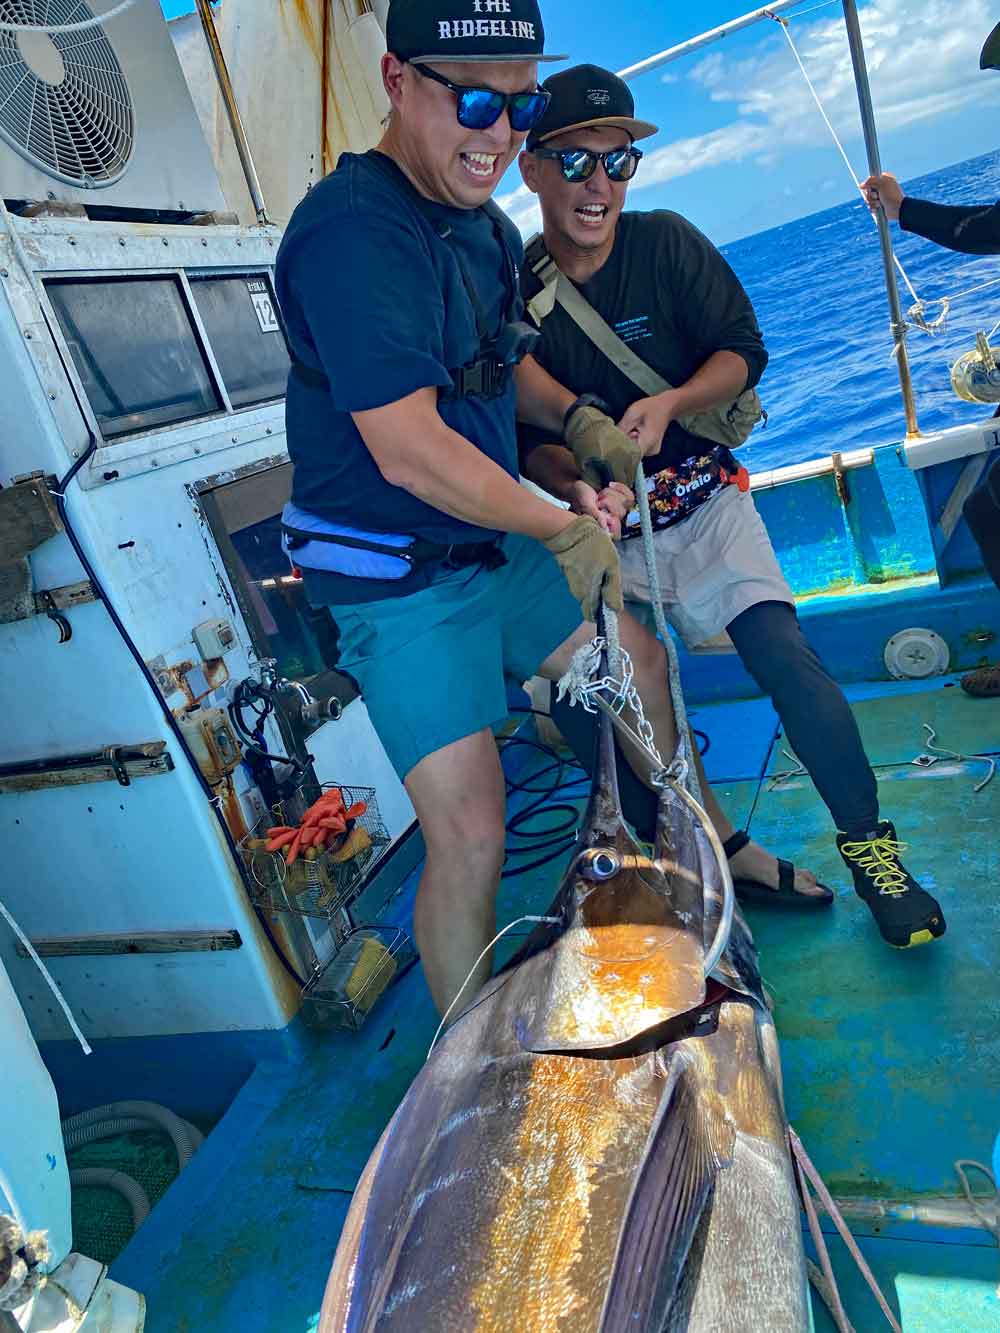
x=263 y=304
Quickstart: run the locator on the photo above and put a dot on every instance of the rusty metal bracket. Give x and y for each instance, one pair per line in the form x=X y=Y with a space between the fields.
x=840 y=479
x=112 y=763
x=65 y=597
x=113 y=754
x=57 y=617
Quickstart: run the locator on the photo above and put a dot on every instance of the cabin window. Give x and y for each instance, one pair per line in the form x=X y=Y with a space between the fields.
x=240 y=316
x=136 y=351
x=244 y=514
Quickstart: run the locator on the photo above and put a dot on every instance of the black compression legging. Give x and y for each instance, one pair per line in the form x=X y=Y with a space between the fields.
x=816 y=717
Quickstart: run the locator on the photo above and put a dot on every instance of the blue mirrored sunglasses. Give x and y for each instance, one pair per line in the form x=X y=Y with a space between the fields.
x=579 y=164
x=479 y=108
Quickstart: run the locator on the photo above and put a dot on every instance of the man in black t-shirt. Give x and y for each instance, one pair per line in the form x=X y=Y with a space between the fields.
x=672 y=301
x=971 y=230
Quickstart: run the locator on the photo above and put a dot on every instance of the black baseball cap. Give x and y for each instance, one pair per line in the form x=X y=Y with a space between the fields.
x=462 y=30
x=585 y=96
x=990 y=56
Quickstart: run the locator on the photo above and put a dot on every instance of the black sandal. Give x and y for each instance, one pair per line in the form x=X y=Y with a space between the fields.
x=785 y=895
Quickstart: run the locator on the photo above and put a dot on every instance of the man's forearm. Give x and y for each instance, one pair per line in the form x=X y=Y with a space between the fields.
x=720 y=379
x=553 y=467
x=415 y=450
x=541 y=400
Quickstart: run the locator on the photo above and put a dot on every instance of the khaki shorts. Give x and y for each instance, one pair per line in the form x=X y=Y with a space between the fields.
x=712 y=566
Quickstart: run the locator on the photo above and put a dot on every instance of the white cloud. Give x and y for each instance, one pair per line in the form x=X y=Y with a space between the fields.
x=521 y=206
x=923 y=61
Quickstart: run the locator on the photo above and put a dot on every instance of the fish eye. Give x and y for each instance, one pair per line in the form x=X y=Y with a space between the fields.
x=599 y=863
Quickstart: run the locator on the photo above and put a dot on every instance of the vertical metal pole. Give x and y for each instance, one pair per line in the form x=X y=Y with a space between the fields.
x=875 y=167
x=232 y=110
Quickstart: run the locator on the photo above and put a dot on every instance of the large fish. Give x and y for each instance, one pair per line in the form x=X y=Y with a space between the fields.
x=598 y=1144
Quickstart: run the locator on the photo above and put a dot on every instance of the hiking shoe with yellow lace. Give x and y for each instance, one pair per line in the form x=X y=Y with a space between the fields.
x=905 y=913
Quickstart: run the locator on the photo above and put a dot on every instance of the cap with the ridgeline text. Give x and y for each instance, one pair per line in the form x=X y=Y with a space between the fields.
x=461 y=30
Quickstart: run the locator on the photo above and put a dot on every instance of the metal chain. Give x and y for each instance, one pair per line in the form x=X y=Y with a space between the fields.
x=615 y=694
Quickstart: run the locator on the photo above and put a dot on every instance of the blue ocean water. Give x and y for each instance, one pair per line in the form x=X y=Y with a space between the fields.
x=817 y=287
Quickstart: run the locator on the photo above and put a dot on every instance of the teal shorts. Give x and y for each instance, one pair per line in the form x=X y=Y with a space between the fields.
x=431 y=665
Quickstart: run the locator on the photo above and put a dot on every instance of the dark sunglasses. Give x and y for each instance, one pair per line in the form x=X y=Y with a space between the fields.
x=479 y=108
x=579 y=164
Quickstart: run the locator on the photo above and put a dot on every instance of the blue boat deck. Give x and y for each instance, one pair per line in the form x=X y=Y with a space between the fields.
x=890 y=1058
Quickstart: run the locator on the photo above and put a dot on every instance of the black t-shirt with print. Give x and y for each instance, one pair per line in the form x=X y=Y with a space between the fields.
x=667 y=292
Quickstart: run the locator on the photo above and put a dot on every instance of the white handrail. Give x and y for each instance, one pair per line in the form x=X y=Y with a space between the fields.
x=706 y=38
x=815 y=467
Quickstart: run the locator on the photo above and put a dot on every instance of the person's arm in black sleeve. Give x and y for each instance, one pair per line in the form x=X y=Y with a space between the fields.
x=715 y=312
x=719 y=328
x=973 y=230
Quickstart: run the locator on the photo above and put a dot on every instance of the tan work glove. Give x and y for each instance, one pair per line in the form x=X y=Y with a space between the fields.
x=589 y=560
x=592 y=435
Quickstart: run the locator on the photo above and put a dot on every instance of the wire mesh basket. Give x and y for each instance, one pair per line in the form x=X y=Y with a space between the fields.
x=343 y=992
x=320 y=882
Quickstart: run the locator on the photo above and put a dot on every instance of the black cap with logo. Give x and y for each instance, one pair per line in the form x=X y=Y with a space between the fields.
x=461 y=30
x=587 y=96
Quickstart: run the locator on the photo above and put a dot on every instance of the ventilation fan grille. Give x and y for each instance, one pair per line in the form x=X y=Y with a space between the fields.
x=74 y=119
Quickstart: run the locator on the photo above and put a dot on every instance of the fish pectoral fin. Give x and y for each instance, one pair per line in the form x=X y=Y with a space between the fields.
x=691 y=1140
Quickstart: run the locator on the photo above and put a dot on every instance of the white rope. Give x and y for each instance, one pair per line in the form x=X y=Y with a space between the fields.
x=980 y=286
x=26 y=1254
x=584 y=687
x=538 y=920
x=847 y=161
x=801 y=13
x=82 y=26
x=46 y=974
x=673 y=667
x=940 y=751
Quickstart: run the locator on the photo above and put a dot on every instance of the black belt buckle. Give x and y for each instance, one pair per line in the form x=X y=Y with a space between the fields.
x=485 y=378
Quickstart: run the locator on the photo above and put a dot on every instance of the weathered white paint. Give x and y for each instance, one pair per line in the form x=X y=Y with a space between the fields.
x=103 y=859
x=274 y=53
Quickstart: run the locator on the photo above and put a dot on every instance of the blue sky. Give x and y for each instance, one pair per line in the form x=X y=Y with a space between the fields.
x=741 y=146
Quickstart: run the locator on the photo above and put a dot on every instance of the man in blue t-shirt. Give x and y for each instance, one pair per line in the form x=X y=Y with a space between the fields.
x=687 y=343
x=399 y=291
x=399 y=287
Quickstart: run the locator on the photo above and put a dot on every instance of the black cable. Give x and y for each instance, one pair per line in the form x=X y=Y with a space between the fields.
x=553 y=841
x=243 y=698
x=99 y=589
